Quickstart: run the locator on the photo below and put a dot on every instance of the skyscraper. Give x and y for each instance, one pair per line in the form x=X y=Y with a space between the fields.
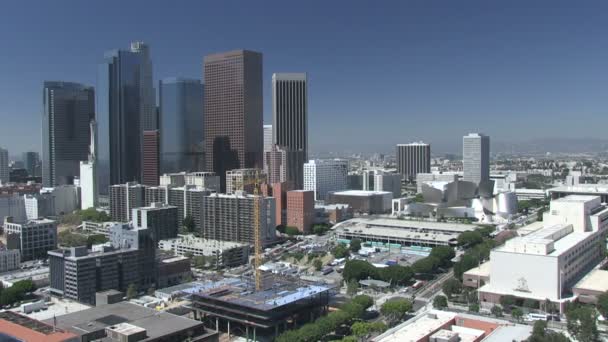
x=150 y=173
x=290 y=121
x=181 y=125
x=325 y=175
x=267 y=143
x=126 y=106
x=4 y=172
x=233 y=111
x=413 y=159
x=89 y=191
x=68 y=110
x=30 y=162
x=476 y=157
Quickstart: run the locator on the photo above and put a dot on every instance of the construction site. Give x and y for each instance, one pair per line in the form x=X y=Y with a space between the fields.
x=234 y=305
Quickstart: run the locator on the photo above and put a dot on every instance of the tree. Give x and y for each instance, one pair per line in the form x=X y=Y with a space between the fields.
x=319 y=229
x=396 y=274
x=358 y=270
x=530 y=303
x=96 y=239
x=364 y=301
x=151 y=291
x=291 y=231
x=474 y=307
x=470 y=238
x=425 y=265
x=602 y=304
x=364 y=329
x=355 y=245
x=507 y=301
x=419 y=198
x=496 y=311
x=131 y=291
x=440 y=302
x=340 y=251
x=199 y=261
x=395 y=310
x=581 y=323
x=540 y=334
x=352 y=286
x=517 y=314
x=318 y=264
x=189 y=224
x=451 y=287
x=444 y=254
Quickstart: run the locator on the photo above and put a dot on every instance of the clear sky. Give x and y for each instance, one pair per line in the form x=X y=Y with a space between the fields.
x=380 y=72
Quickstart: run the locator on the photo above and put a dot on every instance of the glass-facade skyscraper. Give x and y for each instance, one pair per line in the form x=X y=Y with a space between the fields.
x=126 y=106
x=181 y=125
x=68 y=110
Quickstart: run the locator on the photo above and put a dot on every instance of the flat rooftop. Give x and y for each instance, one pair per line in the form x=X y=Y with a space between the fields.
x=196 y=242
x=600 y=189
x=361 y=193
x=24 y=328
x=409 y=224
x=596 y=280
x=241 y=292
x=157 y=324
x=482 y=270
x=418 y=327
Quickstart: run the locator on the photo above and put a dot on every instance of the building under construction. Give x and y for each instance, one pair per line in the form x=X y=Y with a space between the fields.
x=232 y=305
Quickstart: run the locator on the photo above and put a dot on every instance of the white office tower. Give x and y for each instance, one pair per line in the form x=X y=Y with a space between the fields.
x=325 y=175
x=88 y=174
x=476 y=158
x=3 y=166
x=267 y=142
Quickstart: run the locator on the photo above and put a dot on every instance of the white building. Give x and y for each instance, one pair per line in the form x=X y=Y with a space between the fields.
x=426 y=178
x=388 y=181
x=227 y=253
x=325 y=175
x=476 y=158
x=548 y=262
x=38 y=206
x=89 y=191
x=4 y=171
x=267 y=142
x=206 y=180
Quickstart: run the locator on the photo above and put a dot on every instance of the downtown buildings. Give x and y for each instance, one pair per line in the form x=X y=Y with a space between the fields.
x=33 y=238
x=413 y=159
x=290 y=122
x=68 y=110
x=126 y=107
x=233 y=112
x=476 y=158
x=4 y=170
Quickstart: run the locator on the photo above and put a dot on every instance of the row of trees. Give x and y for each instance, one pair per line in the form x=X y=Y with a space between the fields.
x=90 y=214
x=355 y=270
x=323 y=326
x=15 y=293
x=440 y=256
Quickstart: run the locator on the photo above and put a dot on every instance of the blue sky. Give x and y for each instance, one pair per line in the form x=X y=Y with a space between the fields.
x=380 y=72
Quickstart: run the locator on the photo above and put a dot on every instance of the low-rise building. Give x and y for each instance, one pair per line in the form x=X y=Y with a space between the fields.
x=332 y=213
x=548 y=262
x=173 y=270
x=588 y=289
x=226 y=253
x=366 y=202
x=33 y=238
x=10 y=259
x=16 y=327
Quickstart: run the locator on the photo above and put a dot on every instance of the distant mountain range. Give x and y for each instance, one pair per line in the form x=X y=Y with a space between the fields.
x=553 y=145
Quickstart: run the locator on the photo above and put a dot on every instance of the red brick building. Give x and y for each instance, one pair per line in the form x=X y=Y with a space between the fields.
x=279 y=192
x=301 y=209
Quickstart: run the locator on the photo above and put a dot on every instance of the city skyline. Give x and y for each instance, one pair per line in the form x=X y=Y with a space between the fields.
x=535 y=67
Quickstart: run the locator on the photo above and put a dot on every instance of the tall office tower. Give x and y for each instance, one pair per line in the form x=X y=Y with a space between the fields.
x=300 y=209
x=276 y=165
x=243 y=180
x=160 y=218
x=267 y=143
x=325 y=175
x=290 y=121
x=126 y=106
x=233 y=112
x=124 y=198
x=231 y=217
x=150 y=165
x=413 y=159
x=68 y=110
x=181 y=125
x=4 y=170
x=30 y=162
x=476 y=158
x=88 y=173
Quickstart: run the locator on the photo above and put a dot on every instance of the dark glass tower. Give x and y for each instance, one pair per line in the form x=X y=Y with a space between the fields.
x=126 y=106
x=181 y=125
x=290 y=122
x=233 y=112
x=68 y=109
